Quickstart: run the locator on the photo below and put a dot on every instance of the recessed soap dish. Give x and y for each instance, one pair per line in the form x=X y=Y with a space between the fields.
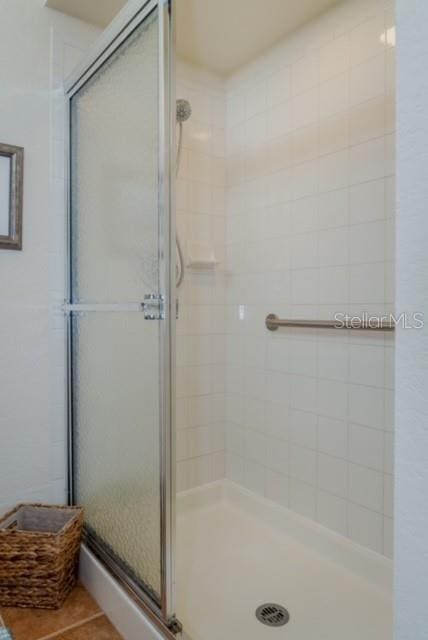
x=201 y=257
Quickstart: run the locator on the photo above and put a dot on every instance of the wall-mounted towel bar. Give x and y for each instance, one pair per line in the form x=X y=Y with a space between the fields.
x=360 y=324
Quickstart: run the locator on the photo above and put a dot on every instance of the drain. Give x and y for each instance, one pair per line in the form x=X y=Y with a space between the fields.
x=273 y=615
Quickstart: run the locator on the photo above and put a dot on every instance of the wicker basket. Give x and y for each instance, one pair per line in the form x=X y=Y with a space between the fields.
x=39 y=553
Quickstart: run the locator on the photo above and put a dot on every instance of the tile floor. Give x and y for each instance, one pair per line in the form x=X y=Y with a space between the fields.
x=80 y=618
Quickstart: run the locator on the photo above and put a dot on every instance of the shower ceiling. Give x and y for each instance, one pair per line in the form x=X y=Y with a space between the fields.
x=220 y=35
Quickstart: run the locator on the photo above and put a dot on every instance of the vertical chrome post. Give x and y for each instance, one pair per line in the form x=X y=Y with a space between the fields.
x=68 y=346
x=167 y=279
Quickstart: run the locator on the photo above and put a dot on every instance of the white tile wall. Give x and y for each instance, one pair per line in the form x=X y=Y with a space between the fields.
x=309 y=138
x=201 y=328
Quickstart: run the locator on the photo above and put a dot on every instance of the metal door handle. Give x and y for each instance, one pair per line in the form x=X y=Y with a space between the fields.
x=153 y=306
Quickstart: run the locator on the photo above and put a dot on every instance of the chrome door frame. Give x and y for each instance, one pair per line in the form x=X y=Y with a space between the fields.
x=131 y=16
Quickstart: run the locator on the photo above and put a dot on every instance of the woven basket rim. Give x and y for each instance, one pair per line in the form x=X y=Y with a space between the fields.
x=52 y=534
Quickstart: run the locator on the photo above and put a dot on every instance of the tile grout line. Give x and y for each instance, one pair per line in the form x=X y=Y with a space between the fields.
x=56 y=634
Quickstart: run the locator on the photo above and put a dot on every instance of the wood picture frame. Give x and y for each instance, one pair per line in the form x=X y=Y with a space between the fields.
x=11 y=196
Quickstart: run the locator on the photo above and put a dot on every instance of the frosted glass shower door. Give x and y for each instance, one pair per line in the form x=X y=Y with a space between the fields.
x=120 y=347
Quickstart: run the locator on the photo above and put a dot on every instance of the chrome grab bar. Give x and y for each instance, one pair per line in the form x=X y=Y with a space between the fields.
x=379 y=324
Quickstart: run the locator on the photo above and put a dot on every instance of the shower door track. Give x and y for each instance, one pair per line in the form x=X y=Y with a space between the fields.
x=160 y=612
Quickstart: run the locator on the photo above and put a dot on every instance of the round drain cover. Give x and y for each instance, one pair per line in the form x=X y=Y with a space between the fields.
x=273 y=615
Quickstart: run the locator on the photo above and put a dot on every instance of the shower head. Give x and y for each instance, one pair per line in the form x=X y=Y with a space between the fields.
x=183 y=110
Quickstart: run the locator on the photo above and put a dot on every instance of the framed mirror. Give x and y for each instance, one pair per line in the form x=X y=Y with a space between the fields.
x=11 y=189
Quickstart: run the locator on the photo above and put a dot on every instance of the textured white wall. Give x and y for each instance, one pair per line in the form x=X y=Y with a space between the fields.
x=37 y=47
x=411 y=505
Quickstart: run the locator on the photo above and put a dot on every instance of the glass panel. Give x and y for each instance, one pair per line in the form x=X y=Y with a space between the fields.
x=114 y=172
x=115 y=261
x=116 y=437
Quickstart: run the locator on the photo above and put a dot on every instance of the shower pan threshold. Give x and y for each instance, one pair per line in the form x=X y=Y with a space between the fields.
x=236 y=551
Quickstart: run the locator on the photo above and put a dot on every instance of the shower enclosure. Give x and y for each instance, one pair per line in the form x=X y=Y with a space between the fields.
x=121 y=303
x=285 y=438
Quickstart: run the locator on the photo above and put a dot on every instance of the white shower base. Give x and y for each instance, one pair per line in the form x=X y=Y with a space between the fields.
x=236 y=551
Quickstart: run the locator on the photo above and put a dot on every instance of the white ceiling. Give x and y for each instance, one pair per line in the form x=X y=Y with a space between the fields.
x=224 y=34
x=220 y=35
x=99 y=12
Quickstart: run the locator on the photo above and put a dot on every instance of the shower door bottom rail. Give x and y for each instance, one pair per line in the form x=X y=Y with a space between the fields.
x=172 y=628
